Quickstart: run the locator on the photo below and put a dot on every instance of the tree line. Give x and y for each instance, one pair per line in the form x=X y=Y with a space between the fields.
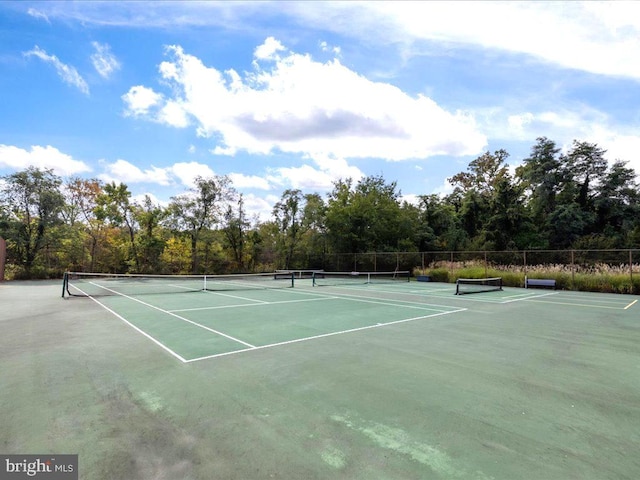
x=553 y=200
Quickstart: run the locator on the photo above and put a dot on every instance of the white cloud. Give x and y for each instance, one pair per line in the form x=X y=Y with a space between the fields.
x=564 y=125
x=262 y=207
x=410 y=198
x=597 y=37
x=139 y=100
x=67 y=73
x=269 y=50
x=301 y=106
x=122 y=171
x=140 y=198
x=444 y=189
x=41 y=157
x=173 y=113
x=38 y=14
x=186 y=172
x=103 y=60
x=239 y=180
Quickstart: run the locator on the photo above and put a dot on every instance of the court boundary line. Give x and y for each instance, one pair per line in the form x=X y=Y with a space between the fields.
x=397 y=303
x=262 y=304
x=584 y=305
x=137 y=329
x=315 y=337
x=630 y=305
x=177 y=316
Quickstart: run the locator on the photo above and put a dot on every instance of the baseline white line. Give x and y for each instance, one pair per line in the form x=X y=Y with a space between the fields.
x=631 y=304
x=573 y=304
x=297 y=340
x=530 y=297
x=157 y=342
x=222 y=307
x=178 y=317
x=396 y=303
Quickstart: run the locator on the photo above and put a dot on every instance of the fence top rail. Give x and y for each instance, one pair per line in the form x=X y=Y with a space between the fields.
x=534 y=250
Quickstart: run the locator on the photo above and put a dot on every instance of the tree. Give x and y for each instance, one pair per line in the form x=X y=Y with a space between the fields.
x=365 y=218
x=483 y=173
x=149 y=217
x=80 y=207
x=198 y=209
x=235 y=227
x=33 y=204
x=586 y=165
x=114 y=206
x=542 y=176
x=475 y=193
x=617 y=203
x=288 y=215
x=439 y=225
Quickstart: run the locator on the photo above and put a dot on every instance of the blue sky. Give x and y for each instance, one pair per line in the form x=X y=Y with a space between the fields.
x=281 y=95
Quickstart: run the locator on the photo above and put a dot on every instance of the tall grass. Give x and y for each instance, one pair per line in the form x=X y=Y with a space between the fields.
x=589 y=278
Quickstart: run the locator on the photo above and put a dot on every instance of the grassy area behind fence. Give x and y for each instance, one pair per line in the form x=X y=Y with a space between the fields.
x=597 y=278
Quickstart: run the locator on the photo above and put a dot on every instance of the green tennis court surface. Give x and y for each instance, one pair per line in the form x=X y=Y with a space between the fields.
x=399 y=380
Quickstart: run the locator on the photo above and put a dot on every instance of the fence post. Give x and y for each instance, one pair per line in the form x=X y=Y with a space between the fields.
x=573 y=271
x=485 y=265
x=451 y=264
x=630 y=268
x=3 y=257
x=524 y=253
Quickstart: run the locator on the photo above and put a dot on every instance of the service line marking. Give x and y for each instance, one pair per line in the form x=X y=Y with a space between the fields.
x=298 y=340
x=178 y=317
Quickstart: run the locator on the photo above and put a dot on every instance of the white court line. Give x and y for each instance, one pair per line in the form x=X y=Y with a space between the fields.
x=160 y=344
x=213 y=292
x=529 y=297
x=631 y=304
x=177 y=316
x=221 y=307
x=392 y=303
x=584 y=305
x=297 y=340
x=395 y=303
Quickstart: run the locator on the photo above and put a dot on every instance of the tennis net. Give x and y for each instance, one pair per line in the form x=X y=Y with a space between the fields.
x=478 y=285
x=103 y=284
x=345 y=278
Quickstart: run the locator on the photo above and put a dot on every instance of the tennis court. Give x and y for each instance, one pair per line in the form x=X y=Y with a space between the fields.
x=392 y=379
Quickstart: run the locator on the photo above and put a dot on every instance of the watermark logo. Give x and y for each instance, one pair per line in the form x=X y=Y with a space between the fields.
x=43 y=467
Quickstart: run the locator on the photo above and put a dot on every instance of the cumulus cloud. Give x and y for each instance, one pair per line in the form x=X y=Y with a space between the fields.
x=103 y=60
x=140 y=100
x=122 y=171
x=269 y=50
x=67 y=73
x=564 y=125
x=48 y=157
x=297 y=105
x=187 y=172
x=260 y=207
x=182 y=173
x=240 y=180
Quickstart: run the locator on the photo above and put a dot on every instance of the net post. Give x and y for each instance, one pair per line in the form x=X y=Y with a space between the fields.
x=65 y=282
x=204 y=283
